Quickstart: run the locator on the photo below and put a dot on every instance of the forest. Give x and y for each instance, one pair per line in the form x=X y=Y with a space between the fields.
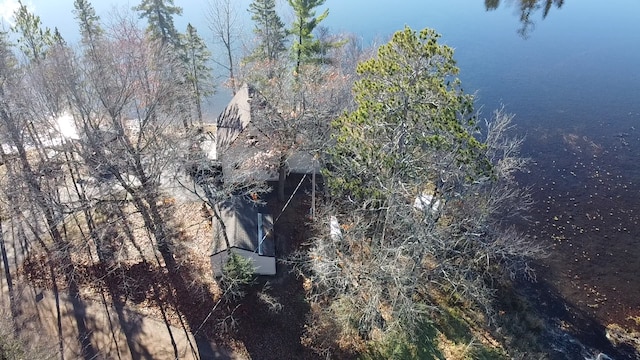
x=399 y=237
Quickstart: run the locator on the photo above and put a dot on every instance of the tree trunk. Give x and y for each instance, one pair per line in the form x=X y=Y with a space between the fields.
x=282 y=177
x=7 y=274
x=61 y=245
x=313 y=191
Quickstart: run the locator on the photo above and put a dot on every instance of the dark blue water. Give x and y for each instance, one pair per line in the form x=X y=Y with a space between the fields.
x=580 y=60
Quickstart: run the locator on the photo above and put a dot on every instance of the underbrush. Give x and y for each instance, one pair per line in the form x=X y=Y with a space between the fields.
x=451 y=331
x=16 y=346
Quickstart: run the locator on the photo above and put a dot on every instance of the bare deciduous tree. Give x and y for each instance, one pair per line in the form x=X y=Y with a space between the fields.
x=225 y=27
x=294 y=111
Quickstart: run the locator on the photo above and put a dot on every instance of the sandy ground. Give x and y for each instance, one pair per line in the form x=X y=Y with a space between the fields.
x=128 y=335
x=114 y=333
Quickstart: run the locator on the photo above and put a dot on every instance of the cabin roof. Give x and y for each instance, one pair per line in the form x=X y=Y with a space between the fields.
x=241 y=220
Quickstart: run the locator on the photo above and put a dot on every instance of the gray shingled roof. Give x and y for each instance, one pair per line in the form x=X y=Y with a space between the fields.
x=245 y=150
x=241 y=221
x=234 y=119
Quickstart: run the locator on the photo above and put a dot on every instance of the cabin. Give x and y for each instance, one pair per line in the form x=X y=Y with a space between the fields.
x=245 y=148
x=249 y=230
x=246 y=152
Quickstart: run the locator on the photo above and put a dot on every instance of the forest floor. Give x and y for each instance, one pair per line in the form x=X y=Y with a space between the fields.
x=138 y=310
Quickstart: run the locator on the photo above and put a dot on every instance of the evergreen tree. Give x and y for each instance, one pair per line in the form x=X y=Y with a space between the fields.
x=269 y=29
x=57 y=38
x=237 y=274
x=33 y=39
x=491 y=4
x=197 y=57
x=7 y=63
x=408 y=94
x=159 y=15
x=305 y=48
x=88 y=20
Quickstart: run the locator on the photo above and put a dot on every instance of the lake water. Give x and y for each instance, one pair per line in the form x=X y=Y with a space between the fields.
x=574 y=84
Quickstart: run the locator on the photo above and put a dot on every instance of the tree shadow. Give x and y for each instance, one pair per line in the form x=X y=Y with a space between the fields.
x=80 y=315
x=128 y=322
x=191 y=297
x=569 y=332
x=178 y=293
x=526 y=10
x=269 y=334
x=423 y=346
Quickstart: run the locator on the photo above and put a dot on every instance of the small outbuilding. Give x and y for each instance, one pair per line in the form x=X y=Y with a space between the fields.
x=249 y=230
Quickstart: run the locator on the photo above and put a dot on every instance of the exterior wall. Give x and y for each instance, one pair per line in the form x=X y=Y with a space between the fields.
x=209 y=147
x=265 y=265
x=217 y=263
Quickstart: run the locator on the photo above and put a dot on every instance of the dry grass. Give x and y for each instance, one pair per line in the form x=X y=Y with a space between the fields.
x=621 y=336
x=15 y=346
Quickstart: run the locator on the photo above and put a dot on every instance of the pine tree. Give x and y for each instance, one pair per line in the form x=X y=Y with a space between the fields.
x=305 y=48
x=88 y=20
x=408 y=94
x=196 y=56
x=33 y=39
x=57 y=38
x=159 y=15
x=269 y=30
x=8 y=63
